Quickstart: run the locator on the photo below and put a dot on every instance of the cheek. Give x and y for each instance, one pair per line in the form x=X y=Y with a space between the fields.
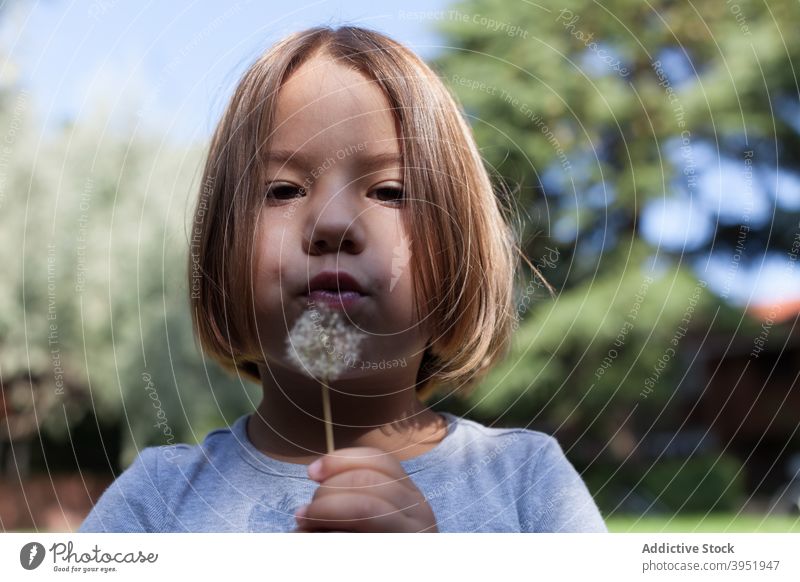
x=271 y=270
x=272 y=306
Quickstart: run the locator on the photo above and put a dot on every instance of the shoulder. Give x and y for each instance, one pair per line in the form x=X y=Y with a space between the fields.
x=217 y=447
x=125 y=506
x=550 y=493
x=515 y=442
x=141 y=497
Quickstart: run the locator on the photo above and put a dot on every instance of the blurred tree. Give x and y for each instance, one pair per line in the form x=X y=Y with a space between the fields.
x=94 y=313
x=602 y=115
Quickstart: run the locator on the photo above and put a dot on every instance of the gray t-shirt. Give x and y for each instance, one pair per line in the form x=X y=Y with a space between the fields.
x=477 y=479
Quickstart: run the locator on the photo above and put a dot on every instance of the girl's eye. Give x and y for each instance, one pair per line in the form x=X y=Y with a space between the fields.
x=284 y=191
x=389 y=194
x=393 y=194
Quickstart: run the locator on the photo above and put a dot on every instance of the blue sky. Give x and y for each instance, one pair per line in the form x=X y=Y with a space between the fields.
x=174 y=65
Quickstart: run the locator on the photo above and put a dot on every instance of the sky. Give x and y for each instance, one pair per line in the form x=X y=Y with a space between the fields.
x=174 y=65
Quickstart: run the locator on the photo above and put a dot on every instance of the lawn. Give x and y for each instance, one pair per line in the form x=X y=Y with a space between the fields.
x=719 y=522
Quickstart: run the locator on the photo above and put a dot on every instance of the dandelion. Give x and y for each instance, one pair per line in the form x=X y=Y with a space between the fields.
x=320 y=345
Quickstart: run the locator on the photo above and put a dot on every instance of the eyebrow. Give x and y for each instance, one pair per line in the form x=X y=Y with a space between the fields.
x=299 y=159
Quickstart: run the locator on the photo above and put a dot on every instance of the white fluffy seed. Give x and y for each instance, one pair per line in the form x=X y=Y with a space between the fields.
x=322 y=342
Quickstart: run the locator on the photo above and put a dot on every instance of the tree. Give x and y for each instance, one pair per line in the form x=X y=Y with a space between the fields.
x=95 y=315
x=599 y=116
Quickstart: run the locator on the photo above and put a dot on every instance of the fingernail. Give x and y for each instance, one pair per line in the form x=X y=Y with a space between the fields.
x=315 y=469
x=300 y=512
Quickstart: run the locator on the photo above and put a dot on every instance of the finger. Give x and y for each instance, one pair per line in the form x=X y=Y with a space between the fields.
x=370 y=482
x=354 y=512
x=355 y=458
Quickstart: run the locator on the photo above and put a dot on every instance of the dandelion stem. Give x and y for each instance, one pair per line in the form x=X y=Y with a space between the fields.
x=326 y=409
x=321 y=344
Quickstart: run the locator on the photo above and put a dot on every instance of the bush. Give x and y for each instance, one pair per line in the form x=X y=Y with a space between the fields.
x=700 y=484
x=703 y=483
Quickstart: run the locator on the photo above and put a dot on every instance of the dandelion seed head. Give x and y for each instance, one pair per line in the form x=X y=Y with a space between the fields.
x=322 y=342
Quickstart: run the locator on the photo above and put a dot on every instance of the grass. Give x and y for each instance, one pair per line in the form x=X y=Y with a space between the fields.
x=719 y=522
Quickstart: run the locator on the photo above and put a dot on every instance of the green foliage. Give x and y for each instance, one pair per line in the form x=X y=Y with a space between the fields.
x=585 y=139
x=586 y=143
x=599 y=343
x=94 y=221
x=700 y=483
x=705 y=483
x=704 y=523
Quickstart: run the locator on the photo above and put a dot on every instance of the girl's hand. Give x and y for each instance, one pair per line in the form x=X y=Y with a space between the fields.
x=364 y=489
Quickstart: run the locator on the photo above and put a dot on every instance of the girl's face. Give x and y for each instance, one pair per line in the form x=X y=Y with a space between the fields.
x=332 y=203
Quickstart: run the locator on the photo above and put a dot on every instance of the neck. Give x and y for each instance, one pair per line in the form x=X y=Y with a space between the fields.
x=380 y=410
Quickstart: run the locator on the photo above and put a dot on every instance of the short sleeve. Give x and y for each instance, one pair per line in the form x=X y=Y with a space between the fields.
x=556 y=499
x=133 y=502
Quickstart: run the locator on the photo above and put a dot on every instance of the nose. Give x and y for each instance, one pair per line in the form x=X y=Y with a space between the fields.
x=334 y=223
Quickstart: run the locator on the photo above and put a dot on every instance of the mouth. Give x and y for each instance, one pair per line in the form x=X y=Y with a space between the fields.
x=335 y=289
x=343 y=300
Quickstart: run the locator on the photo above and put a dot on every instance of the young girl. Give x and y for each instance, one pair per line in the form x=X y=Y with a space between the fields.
x=343 y=173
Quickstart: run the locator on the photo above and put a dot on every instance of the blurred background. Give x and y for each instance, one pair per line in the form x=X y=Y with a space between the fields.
x=652 y=153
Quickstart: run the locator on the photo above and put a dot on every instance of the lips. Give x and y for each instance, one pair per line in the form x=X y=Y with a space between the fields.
x=335 y=289
x=337 y=282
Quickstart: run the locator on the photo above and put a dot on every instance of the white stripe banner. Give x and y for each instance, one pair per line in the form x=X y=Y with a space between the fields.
x=387 y=557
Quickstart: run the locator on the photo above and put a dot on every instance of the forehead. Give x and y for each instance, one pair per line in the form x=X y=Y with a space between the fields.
x=324 y=107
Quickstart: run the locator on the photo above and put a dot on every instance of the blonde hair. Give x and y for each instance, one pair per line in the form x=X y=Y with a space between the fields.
x=464 y=249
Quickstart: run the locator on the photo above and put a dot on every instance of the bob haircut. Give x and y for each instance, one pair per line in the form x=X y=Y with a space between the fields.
x=464 y=250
